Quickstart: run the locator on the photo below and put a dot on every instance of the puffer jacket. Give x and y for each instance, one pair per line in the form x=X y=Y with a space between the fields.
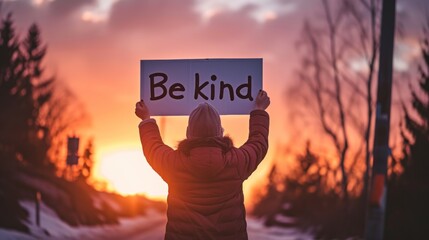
x=205 y=194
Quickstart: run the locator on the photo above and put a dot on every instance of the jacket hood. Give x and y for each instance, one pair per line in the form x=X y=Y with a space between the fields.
x=206 y=155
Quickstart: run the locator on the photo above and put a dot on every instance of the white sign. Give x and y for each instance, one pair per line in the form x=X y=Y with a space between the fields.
x=176 y=87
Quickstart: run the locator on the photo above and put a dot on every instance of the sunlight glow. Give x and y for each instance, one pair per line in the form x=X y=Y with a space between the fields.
x=40 y=2
x=89 y=16
x=127 y=173
x=98 y=12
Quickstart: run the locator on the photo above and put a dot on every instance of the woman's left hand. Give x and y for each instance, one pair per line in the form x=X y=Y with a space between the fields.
x=142 y=111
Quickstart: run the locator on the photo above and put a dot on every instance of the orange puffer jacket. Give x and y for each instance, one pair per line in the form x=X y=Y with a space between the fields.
x=205 y=177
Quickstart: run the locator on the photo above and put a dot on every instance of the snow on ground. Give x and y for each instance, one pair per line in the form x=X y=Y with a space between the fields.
x=57 y=229
x=256 y=231
x=150 y=226
x=13 y=235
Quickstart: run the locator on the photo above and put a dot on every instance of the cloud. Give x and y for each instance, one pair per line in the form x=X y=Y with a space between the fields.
x=58 y=19
x=64 y=8
x=57 y=10
x=152 y=15
x=259 y=10
x=175 y=29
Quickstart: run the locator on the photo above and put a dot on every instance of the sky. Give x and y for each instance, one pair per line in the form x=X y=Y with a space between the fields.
x=94 y=48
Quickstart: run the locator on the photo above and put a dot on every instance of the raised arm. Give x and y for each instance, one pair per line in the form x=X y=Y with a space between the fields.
x=156 y=152
x=254 y=150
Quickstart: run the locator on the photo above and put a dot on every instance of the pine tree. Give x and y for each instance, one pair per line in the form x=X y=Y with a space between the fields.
x=12 y=124
x=12 y=107
x=416 y=136
x=310 y=180
x=41 y=90
x=23 y=93
x=408 y=195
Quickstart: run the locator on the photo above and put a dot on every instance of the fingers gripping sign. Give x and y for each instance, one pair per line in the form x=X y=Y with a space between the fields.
x=142 y=111
x=262 y=100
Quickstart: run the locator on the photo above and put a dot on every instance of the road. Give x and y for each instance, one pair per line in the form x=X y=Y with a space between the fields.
x=156 y=228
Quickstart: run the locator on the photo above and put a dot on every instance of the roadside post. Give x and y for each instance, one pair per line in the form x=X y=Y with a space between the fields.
x=38 y=201
x=374 y=225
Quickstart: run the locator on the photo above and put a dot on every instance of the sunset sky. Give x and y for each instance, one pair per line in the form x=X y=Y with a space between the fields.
x=94 y=48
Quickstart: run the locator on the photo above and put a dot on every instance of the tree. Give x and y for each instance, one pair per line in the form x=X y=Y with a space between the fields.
x=408 y=195
x=16 y=121
x=307 y=200
x=88 y=161
x=269 y=202
x=337 y=81
x=336 y=95
x=34 y=112
x=13 y=122
x=41 y=90
x=35 y=116
x=23 y=94
x=416 y=132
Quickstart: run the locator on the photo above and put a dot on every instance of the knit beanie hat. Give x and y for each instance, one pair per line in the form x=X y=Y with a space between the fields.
x=204 y=121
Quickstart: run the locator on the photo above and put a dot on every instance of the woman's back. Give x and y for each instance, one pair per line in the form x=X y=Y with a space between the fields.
x=205 y=197
x=205 y=174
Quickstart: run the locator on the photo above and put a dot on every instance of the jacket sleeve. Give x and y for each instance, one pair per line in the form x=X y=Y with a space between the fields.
x=253 y=151
x=157 y=154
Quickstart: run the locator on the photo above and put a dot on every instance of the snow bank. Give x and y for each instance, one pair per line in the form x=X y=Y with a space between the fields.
x=13 y=235
x=257 y=230
x=150 y=226
x=51 y=227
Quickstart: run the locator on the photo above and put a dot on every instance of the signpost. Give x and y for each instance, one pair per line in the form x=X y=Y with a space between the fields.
x=72 y=150
x=72 y=156
x=176 y=87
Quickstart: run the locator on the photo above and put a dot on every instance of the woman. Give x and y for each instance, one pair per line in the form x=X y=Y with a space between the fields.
x=205 y=174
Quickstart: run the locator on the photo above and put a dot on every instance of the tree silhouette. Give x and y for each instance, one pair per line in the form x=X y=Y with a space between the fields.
x=14 y=123
x=87 y=162
x=336 y=82
x=416 y=135
x=34 y=112
x=269 y=202
x=334 y=96
x=41 y=90
x=13 y=120
x=23 y=93
x=408 y=195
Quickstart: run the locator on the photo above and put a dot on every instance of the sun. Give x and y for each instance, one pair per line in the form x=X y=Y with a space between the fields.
x=127 y=172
